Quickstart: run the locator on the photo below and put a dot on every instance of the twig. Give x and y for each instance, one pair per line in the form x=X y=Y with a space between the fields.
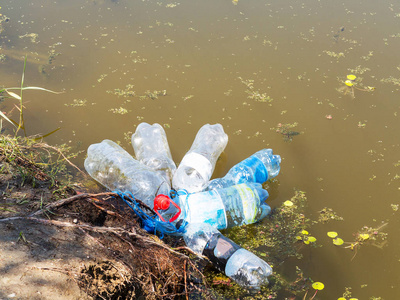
x=69 y=200
x=184 y=274
x=190 y=251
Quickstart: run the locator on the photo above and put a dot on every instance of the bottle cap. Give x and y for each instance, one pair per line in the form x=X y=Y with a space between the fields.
x=162 y=202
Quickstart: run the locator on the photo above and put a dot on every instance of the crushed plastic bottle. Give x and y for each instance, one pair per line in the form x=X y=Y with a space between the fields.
x=110 y=165
x=247 y=269
x=197 y=166
x=259 y=167
x=151 y=148
x=223 y=208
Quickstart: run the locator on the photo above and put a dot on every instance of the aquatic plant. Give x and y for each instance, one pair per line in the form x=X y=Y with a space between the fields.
x=350 y=85
x=374 y=235
x=286 y=131
x=21 y=124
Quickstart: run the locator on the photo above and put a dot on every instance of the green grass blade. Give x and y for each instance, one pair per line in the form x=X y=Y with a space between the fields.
x=34 y=88
x=47 y=134
x=14 y=95
x=4 y=116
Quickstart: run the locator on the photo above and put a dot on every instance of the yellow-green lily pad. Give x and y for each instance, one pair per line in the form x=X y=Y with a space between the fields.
x=332 y=234
x=351 y=77
x=312 y=239
x=318 y=286
x=288 y=203
x=364 y=236
x=305 y=232
x=349 y=83
x=338 y=241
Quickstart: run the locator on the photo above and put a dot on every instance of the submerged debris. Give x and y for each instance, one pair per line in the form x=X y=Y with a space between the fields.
x=286 y=131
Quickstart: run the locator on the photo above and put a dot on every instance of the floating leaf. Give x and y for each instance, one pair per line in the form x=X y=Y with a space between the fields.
x=318 y=286
x=299 y=238
x=288 y=203
x=332 y=234
x=338 y=241
x=312 y=239
x=305 y=232
x=351 y=77
x=341 y=298
x=348 y=83
x=306 y=242
x=353 y=299
x=364 y=236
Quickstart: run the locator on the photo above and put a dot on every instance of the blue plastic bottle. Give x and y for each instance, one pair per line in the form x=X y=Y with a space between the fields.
x=259 y=167
x=224 y=208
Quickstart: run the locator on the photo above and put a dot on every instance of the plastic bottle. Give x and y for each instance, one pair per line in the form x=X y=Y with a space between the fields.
x=247 y=269
x=259 y=167
x=116 y=169
x=222 y=208
x=198 y=164
x=151 y=148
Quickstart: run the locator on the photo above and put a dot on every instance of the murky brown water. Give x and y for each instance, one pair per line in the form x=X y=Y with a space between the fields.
x=200 y=58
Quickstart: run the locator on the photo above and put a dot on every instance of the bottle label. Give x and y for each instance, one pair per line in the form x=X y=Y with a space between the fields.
x=260 y=170
x=219 y=249
x=250 y=202
x=205 y=207
x=198 y=162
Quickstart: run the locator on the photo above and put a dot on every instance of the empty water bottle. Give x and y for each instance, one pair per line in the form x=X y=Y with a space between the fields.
x=151 y=148
x=222 y=208
x=116 y=169
x=198 y=164
x=259 y=167
x=247 y=269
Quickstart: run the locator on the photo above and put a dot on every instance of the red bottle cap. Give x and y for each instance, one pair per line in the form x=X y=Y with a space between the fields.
x=162 y=202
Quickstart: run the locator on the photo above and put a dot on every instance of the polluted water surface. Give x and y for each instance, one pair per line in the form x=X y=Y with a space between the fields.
x=275 y=74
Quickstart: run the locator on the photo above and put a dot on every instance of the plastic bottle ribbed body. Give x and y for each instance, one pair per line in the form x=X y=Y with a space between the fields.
x=116 y=169
x=225 y=208
x=241 y=265
x=151 y=148
x=259 y=167
x=247 y=269
x=197 y=166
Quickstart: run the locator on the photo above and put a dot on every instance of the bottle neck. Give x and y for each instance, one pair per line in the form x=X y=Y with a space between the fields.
x=219 y=249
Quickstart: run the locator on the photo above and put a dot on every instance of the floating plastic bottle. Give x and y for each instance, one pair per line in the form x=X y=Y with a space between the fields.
x=198 y=164
x=151 y=148
x=116 y=169
x=222 y=208
x=259 y=167
x=247 y=269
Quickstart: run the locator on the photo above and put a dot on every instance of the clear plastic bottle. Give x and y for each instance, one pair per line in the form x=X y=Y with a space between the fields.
x=259 y=167
x=198 y=164
x=116 y=169
x=151 y=148
x=247 y=269
x=222 y=208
